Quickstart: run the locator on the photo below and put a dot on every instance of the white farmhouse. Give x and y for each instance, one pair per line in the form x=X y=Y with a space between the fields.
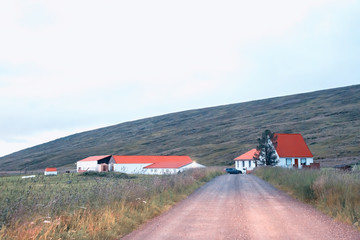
x=94 y=163
x=152 y=164
x=245 y=162
x=291 y=152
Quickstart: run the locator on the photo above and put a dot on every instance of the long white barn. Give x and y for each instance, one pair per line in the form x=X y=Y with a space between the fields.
x=137 y=164
x=152 y=164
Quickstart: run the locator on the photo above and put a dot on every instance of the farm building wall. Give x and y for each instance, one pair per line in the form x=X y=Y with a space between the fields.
x=131 y=168
x=140 y=169
x=290 y=161
x=87 y=166
x=161 y=171
x=245 y=165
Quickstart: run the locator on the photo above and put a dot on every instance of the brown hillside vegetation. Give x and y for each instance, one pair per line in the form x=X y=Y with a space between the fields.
x=329 y=120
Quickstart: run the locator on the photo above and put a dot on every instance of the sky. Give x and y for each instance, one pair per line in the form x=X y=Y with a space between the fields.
x=71 y=66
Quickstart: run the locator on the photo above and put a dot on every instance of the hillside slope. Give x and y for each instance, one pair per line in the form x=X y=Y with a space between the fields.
x=329 y=120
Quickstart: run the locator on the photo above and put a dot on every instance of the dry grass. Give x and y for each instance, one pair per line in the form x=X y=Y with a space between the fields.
x=338 y=194
x=104 y=217
x=334 y=192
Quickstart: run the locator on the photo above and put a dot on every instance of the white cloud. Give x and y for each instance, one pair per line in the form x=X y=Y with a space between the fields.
x=99 y=62
x=111 y=41
x=19 y=142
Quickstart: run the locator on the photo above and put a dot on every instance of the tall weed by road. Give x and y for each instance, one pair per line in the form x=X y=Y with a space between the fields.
x=95 y=206
x=334 y=192
x=338 y=194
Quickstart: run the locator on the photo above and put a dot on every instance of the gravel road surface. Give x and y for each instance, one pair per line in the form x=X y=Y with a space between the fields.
x=242 y=207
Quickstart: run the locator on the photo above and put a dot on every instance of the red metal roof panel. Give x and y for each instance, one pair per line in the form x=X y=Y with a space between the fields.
x=247 y=156
x=167 y=165
x=94 y=158
x=50 y=170
x=292 y=145
x=151 y=159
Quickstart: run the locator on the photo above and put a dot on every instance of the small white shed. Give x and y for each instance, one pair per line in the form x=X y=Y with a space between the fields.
x=245 y=162
x=50 y=171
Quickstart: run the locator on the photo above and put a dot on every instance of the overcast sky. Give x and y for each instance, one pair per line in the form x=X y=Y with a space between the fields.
x=69 y=66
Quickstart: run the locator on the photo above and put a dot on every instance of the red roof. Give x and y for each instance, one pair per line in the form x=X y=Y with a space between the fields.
x=157 y=161
x=167 y=165
x=94 y=158
x=50 y=169
x=292 y=145
x=247 y=156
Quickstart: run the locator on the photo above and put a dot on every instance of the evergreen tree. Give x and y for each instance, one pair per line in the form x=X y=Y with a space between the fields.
x=266 y=154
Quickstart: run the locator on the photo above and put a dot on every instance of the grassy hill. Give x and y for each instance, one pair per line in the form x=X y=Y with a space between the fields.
x=329 y=120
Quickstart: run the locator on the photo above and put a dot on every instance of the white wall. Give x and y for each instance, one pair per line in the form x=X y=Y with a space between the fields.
x=161 y=171
x=131 y=168
x=244 y=165
x=282 y=162
x=50 y=173
x=87 y=166
x=140 y=168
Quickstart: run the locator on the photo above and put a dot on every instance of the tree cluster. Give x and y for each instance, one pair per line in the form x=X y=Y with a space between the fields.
x=266 y=149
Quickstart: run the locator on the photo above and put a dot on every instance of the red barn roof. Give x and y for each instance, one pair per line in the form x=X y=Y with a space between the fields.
x=94 y=158
x=50 y=169
x=292 y=145
x=157 y=161
x=247 y=156
x=167 y=165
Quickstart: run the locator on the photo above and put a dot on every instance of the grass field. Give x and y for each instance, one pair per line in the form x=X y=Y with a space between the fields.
x=334 y=192
x=89 y=206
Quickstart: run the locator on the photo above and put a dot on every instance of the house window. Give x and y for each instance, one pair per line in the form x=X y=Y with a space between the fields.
x=243 y=163
x=288 y=161
x=249 y=163
x=303 y=161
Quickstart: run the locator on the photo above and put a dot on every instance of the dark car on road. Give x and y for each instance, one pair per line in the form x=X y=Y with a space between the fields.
x=233 y=171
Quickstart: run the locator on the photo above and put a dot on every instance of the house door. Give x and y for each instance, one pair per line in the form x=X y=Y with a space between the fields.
x=104 y=168
x=296 y=163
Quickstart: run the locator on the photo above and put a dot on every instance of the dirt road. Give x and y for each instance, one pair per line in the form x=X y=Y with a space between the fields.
x=242 y=207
